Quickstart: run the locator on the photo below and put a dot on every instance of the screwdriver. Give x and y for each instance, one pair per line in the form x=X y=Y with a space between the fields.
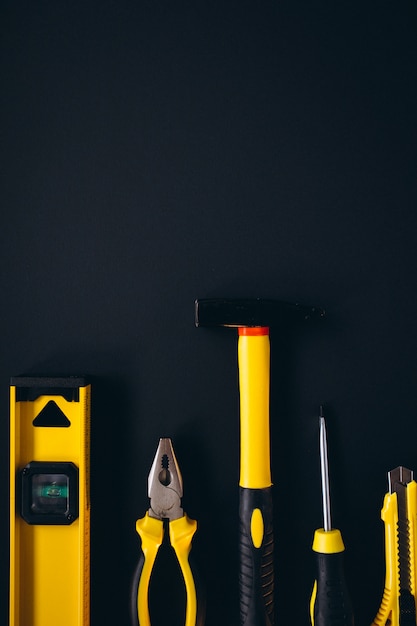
x=330 y=603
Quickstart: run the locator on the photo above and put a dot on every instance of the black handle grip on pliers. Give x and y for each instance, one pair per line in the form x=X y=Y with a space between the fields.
x=256 y=579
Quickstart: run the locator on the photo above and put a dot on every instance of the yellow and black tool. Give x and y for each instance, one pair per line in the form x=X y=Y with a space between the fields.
x=165 y=515
x=252 y=318
x=330 y=603
x=49 y=501
x=399 y=514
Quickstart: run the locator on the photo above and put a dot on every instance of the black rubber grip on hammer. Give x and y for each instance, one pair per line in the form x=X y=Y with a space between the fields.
x=256 y=577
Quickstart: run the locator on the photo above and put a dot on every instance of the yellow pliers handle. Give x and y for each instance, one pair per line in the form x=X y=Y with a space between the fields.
x=151 y=532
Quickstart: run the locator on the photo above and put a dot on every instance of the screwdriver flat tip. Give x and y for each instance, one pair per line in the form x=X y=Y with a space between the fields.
x=324 y=473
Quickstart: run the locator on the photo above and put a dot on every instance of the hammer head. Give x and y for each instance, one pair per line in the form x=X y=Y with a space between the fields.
x=250 y=312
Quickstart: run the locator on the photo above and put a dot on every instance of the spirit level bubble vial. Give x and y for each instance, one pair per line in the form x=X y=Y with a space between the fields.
x=49 y=501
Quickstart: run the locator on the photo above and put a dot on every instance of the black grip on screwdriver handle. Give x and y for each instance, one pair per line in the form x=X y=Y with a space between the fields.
x=256 y=578
x=332 y=605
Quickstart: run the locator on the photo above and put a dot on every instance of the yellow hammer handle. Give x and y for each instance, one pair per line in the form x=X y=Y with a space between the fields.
x=256 y=578
x=254 y=381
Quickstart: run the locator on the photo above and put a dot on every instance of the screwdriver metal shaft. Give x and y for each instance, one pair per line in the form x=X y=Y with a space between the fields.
x=324 y=466
x=330 y=603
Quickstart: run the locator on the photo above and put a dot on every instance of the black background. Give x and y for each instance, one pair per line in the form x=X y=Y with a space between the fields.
x=155 y=152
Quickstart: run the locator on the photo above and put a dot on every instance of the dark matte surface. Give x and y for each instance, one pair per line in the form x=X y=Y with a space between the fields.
x=153 y=153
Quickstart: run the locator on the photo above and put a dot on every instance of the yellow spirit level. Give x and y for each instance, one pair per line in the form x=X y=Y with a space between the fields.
x=49 y=501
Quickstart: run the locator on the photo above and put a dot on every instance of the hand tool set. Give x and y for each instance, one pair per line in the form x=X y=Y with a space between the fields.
x=50 y=501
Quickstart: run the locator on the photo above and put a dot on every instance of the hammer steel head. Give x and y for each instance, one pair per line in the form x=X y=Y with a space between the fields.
x=250 y=312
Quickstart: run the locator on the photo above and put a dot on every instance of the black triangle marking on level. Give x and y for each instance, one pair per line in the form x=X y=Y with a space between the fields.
x=51 y=415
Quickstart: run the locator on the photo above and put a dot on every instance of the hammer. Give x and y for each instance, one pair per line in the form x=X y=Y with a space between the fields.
x=252 y=318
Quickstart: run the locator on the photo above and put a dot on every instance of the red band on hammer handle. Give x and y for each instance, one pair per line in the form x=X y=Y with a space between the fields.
x=253 y=331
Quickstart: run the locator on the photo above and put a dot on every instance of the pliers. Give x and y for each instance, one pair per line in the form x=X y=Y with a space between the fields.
x=165 y=491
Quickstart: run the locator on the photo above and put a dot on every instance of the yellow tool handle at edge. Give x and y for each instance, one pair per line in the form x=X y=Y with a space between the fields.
x=389 y=608
x=181 y=532
x=151 y=532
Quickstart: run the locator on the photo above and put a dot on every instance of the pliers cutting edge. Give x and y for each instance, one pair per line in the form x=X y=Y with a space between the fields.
x=165 y=492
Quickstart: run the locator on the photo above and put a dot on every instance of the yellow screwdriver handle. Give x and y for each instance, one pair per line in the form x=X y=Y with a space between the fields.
x=330 y=601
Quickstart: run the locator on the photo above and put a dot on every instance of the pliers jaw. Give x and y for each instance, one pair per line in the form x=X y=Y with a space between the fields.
x=165 y=483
